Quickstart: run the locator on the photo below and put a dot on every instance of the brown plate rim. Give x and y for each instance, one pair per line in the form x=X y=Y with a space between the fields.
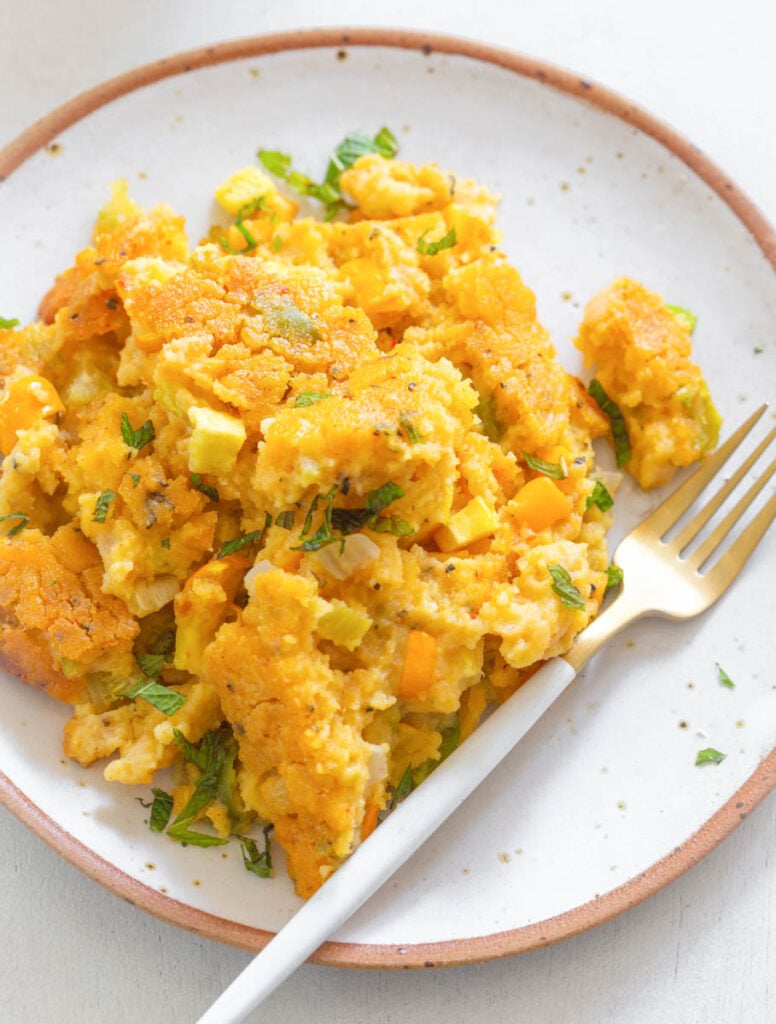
x=460 y=951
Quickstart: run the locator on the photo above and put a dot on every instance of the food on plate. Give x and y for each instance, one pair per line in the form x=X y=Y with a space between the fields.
x=641 y=350
x=288 y=509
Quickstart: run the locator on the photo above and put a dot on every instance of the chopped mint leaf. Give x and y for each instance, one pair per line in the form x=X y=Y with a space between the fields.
x=151 y=664
x=622 y=449
x=381 y=498
x=157 y=695
x=308 y=398
x=212 y=756
x=206 y=489
x=451 y=738
x=555 y=470
x=259 y=203
x=328 y=191
x=683 y=316
x=561 y=583
x=614 y=576
x=403 y=790
x=411 y=432
x=432 y=248
x=285 y=520
x=101 y=506
x=23 y=520
x=600 y=497
x=257 y=861
x=232 y=546
x=161 y=809
x=724 y=678
x=139 y=438
x=709 y=756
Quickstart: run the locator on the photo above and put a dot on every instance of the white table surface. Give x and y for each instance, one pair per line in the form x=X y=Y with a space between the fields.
x=702 y=950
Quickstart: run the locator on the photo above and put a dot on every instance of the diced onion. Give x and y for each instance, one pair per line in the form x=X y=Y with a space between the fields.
x=358 y=550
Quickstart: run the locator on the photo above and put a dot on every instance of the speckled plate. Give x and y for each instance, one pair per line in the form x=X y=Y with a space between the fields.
x=602 y=804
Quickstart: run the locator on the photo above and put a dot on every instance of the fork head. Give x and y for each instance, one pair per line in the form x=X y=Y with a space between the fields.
x=671 y=576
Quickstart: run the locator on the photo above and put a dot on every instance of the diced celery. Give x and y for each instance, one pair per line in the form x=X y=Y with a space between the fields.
x=343 y=625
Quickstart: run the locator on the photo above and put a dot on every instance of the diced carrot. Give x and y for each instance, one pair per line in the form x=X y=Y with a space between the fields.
x=22 y=404
x=417 y=673
x=369 y=824
x=540 y=503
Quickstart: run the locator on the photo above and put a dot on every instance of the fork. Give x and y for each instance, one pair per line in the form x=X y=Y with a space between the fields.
x=663 y=574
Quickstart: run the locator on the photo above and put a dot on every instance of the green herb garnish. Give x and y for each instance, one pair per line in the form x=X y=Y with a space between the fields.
x=135 y=478
x=285 y=520
x=231 y=546
x=206 y=489
x=359 y=144
x=391 y=524
x=259 y=203
x=151 y=664
x=339 y=523
x=432 y=248
x=259 y=862
x=403 y=790
x=161 y=809
x=254 y=537
x=157 y=695
x=139 y=438
x=614 y=576
x=561 y=583
x=411 y=432
x=203 y=795
x=600 y=497
x=214 y=758
x=101 y=506
x=381 y=498
x=555 y=470
x=199 y=755
x=685 y=317
x=23 y=518
x=450 y=740
x=622 y=449
x=323 y=535
x=345 y=155
x=7 y=325
x=724 y=678
x=308 y=398
x=709 y=756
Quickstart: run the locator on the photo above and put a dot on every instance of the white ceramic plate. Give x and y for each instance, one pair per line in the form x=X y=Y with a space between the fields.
x=602 y=804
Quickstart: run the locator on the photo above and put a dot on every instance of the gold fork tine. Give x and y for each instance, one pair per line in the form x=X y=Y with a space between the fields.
x=665 y=515
x=729 y=565
x=696 y=524
x=705 y=550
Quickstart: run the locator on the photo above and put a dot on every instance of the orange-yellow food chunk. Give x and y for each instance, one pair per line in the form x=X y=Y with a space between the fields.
x=26 y=400
x=540 y=503
x=641 y=354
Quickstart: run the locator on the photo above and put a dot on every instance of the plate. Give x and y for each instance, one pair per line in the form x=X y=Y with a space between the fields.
x=602 y=804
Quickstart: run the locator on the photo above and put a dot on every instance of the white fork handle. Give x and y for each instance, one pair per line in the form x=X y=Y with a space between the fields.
x=391 y=844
